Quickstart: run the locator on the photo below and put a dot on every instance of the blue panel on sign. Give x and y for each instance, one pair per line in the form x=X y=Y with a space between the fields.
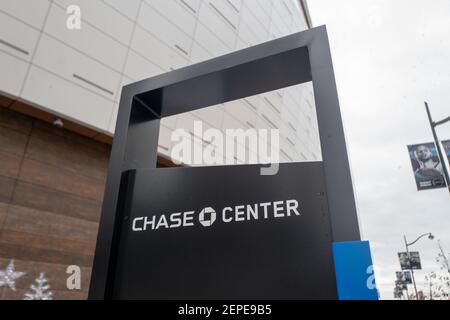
x=354 y=271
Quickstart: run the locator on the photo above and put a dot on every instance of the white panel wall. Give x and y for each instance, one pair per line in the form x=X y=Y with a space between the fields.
x=79 y=73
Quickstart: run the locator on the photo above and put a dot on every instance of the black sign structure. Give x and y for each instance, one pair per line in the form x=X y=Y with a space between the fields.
x=225 y=232
x=265 y=237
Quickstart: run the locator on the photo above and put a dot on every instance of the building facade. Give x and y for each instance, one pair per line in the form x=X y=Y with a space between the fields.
x=57 y=75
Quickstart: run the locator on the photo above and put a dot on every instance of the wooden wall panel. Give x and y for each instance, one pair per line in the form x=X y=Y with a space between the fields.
x=23 y=250
x=46 y=199
x=45 y=242
x=91 y=143
x=51 y=191
x=85 y=161
x=3 y=211
x=50 y=224
x=5 y=101
x=15 y=121
x=12 y=141
x=51 y=188
x=62 y=180
x=9 y=164
x=6 y=188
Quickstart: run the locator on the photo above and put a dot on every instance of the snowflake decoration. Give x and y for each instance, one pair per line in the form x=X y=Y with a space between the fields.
x=39 y=290
x=9 y=275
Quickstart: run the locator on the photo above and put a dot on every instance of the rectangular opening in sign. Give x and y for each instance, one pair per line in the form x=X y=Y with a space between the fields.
x=279 y=126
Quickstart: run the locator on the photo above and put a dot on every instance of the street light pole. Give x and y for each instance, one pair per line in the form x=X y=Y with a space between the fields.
x=444 y=257
x=431 y=237
x=431 y=290
x=433 y=126
x=412 y=271
x=407 y=292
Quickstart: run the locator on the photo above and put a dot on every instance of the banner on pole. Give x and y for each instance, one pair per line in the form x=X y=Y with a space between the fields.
x=409 y=261
x=427 y=168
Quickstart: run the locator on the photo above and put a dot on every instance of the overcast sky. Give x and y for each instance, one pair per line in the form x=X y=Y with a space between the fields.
x=389 y=56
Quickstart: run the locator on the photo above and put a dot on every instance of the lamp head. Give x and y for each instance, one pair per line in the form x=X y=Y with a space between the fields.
x=430 y=236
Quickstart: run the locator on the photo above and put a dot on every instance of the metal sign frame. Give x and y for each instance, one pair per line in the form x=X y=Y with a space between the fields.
x=291 y=60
